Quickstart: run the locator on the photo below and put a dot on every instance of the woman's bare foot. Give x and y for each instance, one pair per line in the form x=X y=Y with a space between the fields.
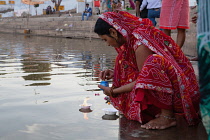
x=194 y=59
x=157 y=115
x=161 y=122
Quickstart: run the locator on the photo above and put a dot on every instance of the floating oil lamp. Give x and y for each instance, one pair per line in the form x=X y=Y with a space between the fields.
x=110 y=111
x=110 y=114
x=85 y=108
x=85 y=105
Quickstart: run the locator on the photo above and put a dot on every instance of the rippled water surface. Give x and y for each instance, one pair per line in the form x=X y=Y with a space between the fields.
x=44 y=80
x=42 y=83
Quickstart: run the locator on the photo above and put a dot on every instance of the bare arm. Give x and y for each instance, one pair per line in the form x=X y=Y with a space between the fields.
x=142 y=52
x=122 y=89
x=138 y=8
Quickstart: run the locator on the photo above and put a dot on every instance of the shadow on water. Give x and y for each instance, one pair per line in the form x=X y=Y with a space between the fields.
x=44 y=80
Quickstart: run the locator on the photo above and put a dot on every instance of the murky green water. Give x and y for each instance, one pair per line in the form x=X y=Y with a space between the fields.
x=44 y=80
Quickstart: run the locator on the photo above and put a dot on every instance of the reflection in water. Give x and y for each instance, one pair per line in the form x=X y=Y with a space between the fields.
x=40 y=81
x=85 y=116
x=85 y=112
x=39 y=57
x=38 y=84
x=37 y=65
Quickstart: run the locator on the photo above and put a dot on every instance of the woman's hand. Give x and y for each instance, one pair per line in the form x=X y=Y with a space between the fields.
x=106 y=74
x=105 y=89
x=116 y=91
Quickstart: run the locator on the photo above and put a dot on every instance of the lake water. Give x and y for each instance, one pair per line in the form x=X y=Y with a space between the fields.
x=42 y=83
x=44 y=80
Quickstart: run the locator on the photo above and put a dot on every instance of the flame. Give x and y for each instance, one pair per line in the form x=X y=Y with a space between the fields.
x=85 y=101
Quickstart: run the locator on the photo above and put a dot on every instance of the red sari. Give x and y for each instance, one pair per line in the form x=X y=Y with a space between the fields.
x=167 y=79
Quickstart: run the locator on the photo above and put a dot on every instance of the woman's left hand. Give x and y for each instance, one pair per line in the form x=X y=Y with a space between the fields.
x=105 y=89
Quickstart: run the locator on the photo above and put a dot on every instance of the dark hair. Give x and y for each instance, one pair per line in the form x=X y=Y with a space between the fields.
x=102 y=27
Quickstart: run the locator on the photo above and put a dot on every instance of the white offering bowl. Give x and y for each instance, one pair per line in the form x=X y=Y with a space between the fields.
x=85 y=106
x=110 y=111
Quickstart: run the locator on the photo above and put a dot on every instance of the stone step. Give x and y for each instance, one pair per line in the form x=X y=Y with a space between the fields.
x=73 y=27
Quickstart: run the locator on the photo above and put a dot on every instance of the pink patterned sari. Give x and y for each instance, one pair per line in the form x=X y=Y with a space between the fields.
x=167 y=79
x=175 y=14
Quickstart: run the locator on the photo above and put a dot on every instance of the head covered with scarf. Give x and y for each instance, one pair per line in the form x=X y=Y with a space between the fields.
x=124 y=23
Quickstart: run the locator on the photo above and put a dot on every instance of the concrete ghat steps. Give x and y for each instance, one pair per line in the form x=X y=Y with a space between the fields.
x=51 y=26
x=73 y=27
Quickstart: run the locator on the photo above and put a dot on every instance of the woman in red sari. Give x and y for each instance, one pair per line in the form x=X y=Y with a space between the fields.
x=152 y=78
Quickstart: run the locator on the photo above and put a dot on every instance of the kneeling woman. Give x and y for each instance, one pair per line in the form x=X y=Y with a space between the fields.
x=152 y=78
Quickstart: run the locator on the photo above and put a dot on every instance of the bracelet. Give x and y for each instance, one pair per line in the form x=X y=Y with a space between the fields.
x=111 y=91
